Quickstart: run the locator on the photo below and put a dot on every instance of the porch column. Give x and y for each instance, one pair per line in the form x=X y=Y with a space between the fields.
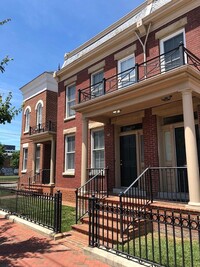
x=191 y=149
x=33 y=160
x=52 y=162
x=84 y=156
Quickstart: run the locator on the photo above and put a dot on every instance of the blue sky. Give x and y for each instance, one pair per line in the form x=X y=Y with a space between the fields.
x=38 y=36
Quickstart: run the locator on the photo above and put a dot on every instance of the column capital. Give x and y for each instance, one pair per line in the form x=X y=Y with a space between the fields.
x=186 y=92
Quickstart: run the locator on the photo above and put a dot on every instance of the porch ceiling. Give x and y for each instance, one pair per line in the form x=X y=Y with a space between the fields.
x=142 y=95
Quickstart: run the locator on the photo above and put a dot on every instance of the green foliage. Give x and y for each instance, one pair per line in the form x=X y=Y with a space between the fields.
x=2 y=155
x=7 y=111
x=14 y=161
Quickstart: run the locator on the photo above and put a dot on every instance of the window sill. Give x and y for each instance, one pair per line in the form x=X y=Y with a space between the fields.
x=70 y=118
x=25 y=132
x=69 y=173
x=24 y=171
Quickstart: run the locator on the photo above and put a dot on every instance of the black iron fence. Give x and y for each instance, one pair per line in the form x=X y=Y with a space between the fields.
x=161 y=237
x=167 y=61
x=48 y=126
x=97 y=185
x=42 y=209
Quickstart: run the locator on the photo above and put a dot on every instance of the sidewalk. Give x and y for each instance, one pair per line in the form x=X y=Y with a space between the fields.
x=22 y=246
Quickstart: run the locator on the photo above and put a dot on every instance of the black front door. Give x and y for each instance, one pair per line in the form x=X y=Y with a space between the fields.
x=128 y=160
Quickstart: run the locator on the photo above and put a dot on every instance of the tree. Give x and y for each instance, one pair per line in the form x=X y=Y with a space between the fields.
x=14 y=160
x=2 y=155
x=7 y=111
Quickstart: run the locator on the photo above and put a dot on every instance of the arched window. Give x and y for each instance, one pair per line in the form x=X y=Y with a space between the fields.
x=27 y=112
x=39 y=108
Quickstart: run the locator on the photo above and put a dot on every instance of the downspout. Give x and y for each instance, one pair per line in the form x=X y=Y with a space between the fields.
x=144 y=46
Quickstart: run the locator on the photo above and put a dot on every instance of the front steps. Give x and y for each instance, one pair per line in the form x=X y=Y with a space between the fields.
x=109 y=224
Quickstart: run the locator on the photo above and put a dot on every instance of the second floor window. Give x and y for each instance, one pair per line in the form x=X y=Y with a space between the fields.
x=70 y=100
x=39 y=114
x=126 y=71
x=97 y=84
x=27 y=120
x=169 y=46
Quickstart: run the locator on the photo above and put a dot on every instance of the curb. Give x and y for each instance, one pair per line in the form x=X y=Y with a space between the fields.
x=112 y=259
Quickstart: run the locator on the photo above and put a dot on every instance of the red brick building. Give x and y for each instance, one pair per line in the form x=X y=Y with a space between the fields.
x=130 y=116
x=38 y=136
x=135 y=93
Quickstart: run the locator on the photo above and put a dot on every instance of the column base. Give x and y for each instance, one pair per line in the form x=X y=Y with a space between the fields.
x=193 y=204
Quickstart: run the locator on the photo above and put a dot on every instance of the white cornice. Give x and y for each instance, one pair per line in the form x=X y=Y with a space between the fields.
x=42 y=83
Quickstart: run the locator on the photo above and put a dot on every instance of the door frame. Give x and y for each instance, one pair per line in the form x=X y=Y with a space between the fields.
x=140 y=163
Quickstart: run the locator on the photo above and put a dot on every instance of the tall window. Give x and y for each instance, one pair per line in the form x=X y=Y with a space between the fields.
x=27 y=119
x=70 y=100
x=98 y=149
x=37 y=159
x=97 y=84
x=25 y=158
x=39 y=114
x=69 y=153
x=126 y=71
x=171 y=58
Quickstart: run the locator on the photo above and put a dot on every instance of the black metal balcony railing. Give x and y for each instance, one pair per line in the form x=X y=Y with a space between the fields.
x=167 y=61
x=48 y=126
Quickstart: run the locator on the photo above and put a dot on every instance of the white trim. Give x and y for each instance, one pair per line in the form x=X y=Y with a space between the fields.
x=171 y=36
x=29 y=108
x=92 y=145
x=69 y=171
x=69 y=131
x=67 y=117
x=39 y=102
x=70 y=80
x=125 y=52
x=25 y=145
x=97 y=67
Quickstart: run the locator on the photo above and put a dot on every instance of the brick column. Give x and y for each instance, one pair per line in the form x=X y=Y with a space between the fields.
x=151 y=158
x=110 y=154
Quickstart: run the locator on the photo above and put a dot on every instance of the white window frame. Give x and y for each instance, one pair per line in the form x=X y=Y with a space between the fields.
x=95 y=92
x=25 y=159
x=68 y=171
x=27 y=113
x=168 y=38
x=99 y=149
x=39 y=116
x=120 y=85
x=67 y=115
x=37 y=158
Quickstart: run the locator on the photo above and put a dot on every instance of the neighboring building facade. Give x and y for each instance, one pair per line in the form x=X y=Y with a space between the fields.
x=135 y=93
x=38 y=136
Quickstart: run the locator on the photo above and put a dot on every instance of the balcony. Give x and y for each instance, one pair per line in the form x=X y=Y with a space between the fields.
x=43 y=130
x=140 y=72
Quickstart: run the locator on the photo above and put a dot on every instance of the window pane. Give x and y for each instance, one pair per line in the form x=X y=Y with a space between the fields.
x=98 y=139
x=97 y=84
x=126 y=77
x=70 y=100
x=70 y=153
x=98 y=149
x=39 y=114
x=168 y=146
x=27 y=120
x=25 y=157
x=37 y=163
x=70 y=161
x=172 y=59
x=99 y=159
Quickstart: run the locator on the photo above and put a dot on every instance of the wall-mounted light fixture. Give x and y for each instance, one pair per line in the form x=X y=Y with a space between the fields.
x=166 y=98
x=117 y=111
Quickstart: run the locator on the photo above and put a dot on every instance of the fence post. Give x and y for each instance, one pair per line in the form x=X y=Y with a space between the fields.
x=93 y=221
x=104 y=86
x=76 y=193
x=57 y=211
x=121 y=214
x=136 y=72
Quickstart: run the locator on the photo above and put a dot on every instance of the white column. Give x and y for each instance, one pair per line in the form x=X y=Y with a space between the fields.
x=33 y=161
x=191 y=149
x=52 y=162
x=84 y=155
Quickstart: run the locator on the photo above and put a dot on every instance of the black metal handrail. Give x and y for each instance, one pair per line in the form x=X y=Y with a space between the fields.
x=167 y=61
x=154 y=183
x=48 y=126
x=43 y=209
x=97 y=185
x=40 y=177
